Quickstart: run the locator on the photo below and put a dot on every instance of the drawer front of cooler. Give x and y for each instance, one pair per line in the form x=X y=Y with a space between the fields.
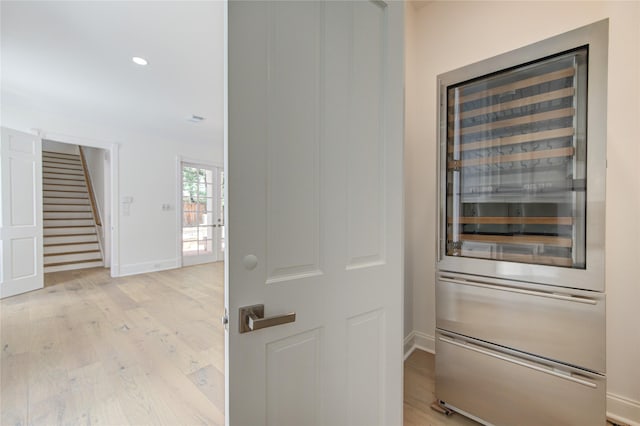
x=489 y=383
x=565 y=325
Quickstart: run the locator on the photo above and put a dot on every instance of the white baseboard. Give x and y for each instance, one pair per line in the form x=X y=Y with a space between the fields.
x=145 y=267
x=623 y=410
x=419 y=340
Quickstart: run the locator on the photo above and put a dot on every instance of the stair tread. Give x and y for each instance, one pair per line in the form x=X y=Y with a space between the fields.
x=66 y=182
x=62 y=160
x=78 y=178
x=71 y=252
x=70 y=244
x=68 y=235
x=69 y=162
x=74 y=262
x=77 y=198
x=68 y=171
x=79 y=175
x=69 y=226
x=68 y=198
x=65 y=211
x=60 y=153
x=68 y=218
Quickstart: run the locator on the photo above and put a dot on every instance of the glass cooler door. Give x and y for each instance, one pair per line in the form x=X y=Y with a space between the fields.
x=516 y=164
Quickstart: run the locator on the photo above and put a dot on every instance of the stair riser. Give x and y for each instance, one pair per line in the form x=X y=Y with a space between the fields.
x=58 y=258
x=66 y=231
x=62 y=165
x=58 y=160
x=64 y=176
x=73 y=267
x=67 y=248
x=68 y=215
x=65 y=188
x=53 y=208
x=68 y=222
x=64 y=182
x=61 y=170
x=65 y=201
x=46 y=193
x=61 y=154
x=70 y=239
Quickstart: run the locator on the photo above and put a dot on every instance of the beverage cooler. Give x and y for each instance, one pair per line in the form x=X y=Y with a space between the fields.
x=520 y=301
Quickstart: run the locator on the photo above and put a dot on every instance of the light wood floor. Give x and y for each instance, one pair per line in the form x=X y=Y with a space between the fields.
x=146 y=349
x=88 y=349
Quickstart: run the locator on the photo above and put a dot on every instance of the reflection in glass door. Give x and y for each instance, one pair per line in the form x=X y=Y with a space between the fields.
x=202 y=214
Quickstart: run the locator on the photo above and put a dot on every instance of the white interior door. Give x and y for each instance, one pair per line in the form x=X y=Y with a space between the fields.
x=315 y=107
x=21 y=214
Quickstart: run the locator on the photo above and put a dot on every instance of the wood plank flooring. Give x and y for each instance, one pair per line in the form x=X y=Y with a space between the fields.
x=89 y=349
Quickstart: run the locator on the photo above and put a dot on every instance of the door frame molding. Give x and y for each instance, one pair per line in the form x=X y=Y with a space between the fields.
x=179 y=160
x=113 y=148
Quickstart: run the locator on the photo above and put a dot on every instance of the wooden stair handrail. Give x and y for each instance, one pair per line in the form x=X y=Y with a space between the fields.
x=92 y=196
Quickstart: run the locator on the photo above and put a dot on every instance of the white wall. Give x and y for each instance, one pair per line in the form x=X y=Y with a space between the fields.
x=95 y=161
x=449 y=35
x=94 y=158
x=54 y=146
x=147 y=173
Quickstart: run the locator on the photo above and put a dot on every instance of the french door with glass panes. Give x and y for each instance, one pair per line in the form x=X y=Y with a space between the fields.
x=202 y=214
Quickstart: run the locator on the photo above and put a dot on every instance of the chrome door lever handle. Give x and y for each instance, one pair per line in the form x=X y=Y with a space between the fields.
x=252 y=318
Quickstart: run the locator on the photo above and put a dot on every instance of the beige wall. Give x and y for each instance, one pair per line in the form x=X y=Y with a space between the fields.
x=446 y=35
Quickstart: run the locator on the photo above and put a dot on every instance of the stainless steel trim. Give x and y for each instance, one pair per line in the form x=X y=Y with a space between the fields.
x=521 y=363
x=252 y=318
x=521 y=291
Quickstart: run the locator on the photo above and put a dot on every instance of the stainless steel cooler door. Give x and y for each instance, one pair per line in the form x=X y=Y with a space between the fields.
x=561 y=324
x=504 y=387
x=522 y=148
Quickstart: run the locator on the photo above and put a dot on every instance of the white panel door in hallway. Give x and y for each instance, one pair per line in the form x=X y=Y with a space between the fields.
x=315 y=107
x=21 y=213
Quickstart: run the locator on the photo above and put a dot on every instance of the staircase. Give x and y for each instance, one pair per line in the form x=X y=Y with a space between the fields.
x=70 y=234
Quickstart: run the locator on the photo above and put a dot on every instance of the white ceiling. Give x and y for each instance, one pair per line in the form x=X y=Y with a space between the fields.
x=74 y=59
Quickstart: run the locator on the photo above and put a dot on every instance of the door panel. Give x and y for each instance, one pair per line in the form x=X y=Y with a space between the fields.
x=365 y=170
x=24 y=253
x=293 y=141
x=290 y=360
x=315 y=211
x=366 y=342
x=22 y=198
x=21 y=231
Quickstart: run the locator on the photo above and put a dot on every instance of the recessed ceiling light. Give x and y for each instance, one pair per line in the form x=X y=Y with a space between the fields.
x=140 y=61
